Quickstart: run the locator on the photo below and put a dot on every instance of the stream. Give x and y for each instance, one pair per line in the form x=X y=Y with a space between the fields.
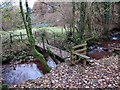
x=16 y=74
x=103 y=49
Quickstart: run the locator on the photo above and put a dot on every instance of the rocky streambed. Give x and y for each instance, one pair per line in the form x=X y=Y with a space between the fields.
x=103 y=49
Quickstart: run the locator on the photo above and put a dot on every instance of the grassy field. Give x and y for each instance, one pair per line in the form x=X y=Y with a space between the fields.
x=54 y=29
x=58 y=31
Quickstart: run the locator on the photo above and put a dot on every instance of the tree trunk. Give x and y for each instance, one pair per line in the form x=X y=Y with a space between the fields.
x=106 y=17
x=28 y=27
x=73 y=22
x=36 y=54
x=82 y=19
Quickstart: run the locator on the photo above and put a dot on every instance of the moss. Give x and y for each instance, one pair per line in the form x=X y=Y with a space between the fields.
x=28 y=27
x=3 y=87
x=42 y=60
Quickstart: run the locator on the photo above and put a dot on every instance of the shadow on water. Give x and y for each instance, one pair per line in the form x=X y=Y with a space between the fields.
x=15 y=74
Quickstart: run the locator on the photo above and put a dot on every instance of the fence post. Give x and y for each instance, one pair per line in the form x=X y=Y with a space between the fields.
x=43 y=40
x=35 y=34
x=72 y=55
x=21 y=36
x=60 y=52
x=11 y=41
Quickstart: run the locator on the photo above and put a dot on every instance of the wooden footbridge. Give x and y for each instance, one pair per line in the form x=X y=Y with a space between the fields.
x=75 y=55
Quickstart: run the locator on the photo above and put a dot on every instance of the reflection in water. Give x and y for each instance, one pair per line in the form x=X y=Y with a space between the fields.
x=50 y=62
x=22 y=72
x=114 y=38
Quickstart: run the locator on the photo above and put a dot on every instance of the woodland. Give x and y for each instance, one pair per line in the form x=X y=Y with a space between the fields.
x=73 y=45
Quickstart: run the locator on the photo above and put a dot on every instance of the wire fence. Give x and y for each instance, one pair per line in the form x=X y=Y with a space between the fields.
x=11 y=37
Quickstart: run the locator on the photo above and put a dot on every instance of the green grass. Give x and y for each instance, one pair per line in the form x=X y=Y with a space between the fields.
x=49 y=29
x=58 y=31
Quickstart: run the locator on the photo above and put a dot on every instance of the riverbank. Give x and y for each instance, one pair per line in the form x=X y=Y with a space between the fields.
x=103 y=73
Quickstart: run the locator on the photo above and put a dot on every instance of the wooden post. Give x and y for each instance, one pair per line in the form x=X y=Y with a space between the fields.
x=11 y=41
x=35 y=34
x=21 y=36
x=84 y=63
x=47 y=41
x=43 y=42
x=60 y=52
x=85 y=48
x=72 y=56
